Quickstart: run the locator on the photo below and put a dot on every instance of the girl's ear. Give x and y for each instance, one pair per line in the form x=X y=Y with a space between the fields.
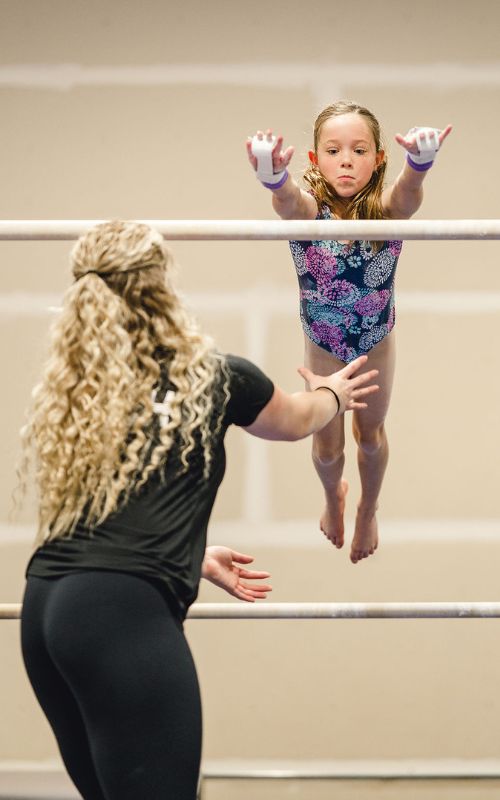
x=379 y=158
x=313 y=158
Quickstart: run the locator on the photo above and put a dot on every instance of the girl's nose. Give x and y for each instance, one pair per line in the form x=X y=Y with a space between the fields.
x=345 y=158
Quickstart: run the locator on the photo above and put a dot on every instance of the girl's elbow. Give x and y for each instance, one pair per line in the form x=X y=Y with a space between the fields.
x=283 y=210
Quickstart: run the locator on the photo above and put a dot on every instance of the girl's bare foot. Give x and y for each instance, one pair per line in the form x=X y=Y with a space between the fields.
x=332 y=521
x=365 y=540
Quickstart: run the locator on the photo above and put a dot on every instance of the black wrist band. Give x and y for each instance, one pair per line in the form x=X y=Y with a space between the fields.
x=334 y=394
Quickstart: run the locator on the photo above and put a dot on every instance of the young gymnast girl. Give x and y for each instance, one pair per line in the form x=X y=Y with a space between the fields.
x=347 y=288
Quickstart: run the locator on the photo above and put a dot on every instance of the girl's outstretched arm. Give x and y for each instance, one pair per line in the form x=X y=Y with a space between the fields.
x=404 y=197
x=289 y=200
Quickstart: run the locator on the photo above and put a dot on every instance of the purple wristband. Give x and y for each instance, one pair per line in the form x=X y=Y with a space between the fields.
x=419 y=167
x=278 y=185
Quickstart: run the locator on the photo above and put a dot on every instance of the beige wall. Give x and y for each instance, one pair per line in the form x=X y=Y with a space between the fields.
x=141 y=110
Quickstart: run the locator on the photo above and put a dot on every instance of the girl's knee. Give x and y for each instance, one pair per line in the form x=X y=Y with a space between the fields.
x=325 y=455
x=370 y=441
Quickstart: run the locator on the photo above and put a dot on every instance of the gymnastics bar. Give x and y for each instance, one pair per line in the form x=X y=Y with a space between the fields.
x=400 y=769
x=324 y=610
x=218 y=230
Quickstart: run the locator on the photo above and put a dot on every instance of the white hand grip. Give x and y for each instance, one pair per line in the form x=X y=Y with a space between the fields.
x=427 y=144
x=262 y=149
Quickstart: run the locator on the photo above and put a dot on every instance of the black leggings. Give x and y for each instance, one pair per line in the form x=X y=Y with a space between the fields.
x=114 y=675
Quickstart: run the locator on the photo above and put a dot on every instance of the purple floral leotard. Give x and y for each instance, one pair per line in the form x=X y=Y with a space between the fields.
x=346 y=292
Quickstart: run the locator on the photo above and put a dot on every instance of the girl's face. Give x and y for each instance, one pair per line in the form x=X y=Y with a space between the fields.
x=347 y=154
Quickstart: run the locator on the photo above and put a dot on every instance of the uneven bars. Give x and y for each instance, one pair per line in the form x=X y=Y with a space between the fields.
x=220 y=230
x=381 y=769
x=428 y=610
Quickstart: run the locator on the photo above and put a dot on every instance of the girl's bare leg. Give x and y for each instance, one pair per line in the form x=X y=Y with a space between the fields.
x=328 y=452
x=328 y=460
x=373 y=450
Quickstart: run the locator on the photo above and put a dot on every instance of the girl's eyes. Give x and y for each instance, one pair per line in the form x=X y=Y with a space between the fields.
x=359 y=151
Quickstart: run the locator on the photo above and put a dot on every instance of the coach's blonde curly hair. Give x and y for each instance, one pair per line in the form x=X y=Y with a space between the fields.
x=367 y=204
x=92 y=427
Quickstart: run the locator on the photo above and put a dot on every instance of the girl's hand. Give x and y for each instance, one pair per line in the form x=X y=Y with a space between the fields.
x=222 y=567
x=410 y=142
x=349 y=389
x=281 y=158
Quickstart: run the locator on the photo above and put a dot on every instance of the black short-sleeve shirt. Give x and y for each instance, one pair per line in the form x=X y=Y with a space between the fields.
x=160 y=533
